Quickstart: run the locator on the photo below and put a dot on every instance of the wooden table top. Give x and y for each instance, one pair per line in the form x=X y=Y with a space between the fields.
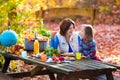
x=67 y=68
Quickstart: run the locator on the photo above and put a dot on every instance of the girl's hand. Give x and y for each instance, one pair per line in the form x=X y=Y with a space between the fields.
x=84 y=56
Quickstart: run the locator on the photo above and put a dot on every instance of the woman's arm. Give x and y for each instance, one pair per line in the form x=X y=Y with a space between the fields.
x=51 y=42
x=54 y=42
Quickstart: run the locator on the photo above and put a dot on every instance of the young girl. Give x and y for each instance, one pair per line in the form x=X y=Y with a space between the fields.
x=87 y=44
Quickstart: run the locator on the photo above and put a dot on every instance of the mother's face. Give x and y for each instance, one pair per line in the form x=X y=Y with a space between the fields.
x=70 y=30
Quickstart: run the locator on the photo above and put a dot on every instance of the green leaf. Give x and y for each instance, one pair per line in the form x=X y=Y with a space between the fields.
x=50 y=51
x=44 y=32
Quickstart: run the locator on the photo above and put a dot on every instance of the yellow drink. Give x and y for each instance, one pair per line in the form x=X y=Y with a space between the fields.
x=36 y=47
x=78 y=56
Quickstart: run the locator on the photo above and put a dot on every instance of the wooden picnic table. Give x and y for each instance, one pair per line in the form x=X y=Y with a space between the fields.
x=84 y=68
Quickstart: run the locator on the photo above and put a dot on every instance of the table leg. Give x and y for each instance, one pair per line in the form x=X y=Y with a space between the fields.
x=60 y=76
x=109 y=76
x=6 y=64
x=35 y=70
x=51 y=76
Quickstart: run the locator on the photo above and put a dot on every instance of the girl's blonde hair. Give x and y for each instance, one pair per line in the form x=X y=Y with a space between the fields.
x=88 y=33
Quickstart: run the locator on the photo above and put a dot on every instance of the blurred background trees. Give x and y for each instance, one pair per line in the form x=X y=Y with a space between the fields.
x=22 y=13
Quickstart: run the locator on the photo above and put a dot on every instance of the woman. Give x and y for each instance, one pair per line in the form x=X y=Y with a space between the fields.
x=66 y=40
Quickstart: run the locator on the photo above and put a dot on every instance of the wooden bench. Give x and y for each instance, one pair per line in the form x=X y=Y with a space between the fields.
x=5 y=77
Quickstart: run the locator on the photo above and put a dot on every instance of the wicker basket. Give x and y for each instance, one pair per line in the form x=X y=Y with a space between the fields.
x=29 y=45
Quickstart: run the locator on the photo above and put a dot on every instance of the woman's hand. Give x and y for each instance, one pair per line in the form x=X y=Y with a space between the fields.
x=53 y=34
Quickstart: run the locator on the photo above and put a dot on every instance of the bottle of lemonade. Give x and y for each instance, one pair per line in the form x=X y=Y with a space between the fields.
x=36 y=45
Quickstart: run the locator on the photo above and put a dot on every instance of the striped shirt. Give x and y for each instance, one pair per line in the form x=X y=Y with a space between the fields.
x=88 y=48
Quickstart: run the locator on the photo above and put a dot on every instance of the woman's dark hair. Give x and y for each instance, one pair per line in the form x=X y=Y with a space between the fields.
x=65 y=25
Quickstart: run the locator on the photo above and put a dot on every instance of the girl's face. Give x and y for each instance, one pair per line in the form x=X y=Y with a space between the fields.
x=82 y=32
x=70 y=30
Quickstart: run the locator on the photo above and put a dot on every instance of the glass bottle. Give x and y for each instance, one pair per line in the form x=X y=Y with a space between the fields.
x=36 y=45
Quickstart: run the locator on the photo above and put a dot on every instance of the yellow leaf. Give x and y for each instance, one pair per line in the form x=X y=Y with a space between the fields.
x=118 y=2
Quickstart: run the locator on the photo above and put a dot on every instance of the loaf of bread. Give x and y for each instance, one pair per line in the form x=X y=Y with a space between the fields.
x=69 y=54
x=69 y=58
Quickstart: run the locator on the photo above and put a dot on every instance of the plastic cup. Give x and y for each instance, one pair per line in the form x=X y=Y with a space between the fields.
x=24 y=54
x=78 y=56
